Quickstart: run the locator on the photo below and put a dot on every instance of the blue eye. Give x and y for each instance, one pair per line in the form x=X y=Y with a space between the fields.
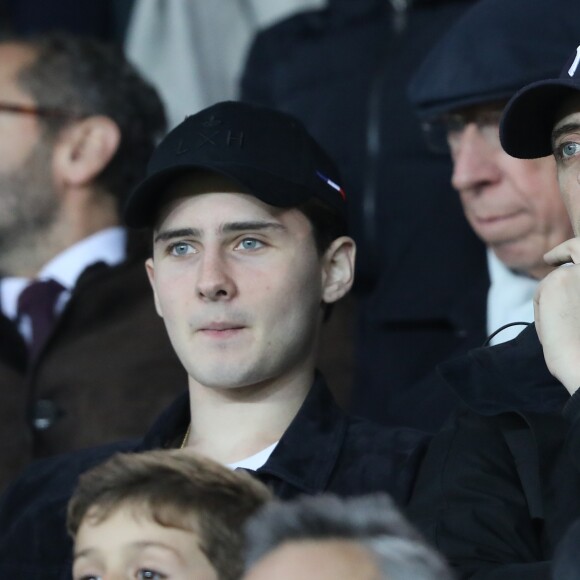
x=145 y=574
x=180 y=249
x=250 y=244
x=568 y=150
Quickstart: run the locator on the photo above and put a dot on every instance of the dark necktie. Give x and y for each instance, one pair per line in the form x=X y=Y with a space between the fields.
x=37 y=301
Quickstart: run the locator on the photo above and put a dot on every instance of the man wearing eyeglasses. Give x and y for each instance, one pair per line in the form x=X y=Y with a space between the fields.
x=498 y=488
x=513 y=205
x=78 y=330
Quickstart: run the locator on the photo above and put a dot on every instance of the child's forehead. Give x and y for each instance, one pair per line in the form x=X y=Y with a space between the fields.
x=142 y=514
x=126 y=537
x=135 y=528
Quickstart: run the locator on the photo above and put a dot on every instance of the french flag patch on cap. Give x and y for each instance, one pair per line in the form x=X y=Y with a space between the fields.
x=332 y=184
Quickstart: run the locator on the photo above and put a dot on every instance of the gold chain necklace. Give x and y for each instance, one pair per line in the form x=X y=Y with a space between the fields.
x=186 y=437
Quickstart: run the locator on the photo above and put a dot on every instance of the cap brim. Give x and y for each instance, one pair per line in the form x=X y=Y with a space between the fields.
x=529 y=117
x=142 y=206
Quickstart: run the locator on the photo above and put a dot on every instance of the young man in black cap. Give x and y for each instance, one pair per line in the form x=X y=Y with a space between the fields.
x=507 y=477
x=249 y=253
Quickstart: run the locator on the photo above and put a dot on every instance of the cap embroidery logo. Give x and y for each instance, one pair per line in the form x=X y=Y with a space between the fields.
x=207 y=139
x=332 y=184
x=212 y=121
x=574 y=66
x=232 y=139
x=180 y=149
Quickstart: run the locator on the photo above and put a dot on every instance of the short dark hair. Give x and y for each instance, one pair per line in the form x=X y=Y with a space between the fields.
x=327 y=223
x=176 y=489
x=87 y=77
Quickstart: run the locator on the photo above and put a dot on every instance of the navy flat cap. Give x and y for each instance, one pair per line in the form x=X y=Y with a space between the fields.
x=492 y=51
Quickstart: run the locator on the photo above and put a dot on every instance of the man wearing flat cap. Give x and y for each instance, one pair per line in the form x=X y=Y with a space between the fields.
x=513 y=205
x=507 y=494
x=249 y=254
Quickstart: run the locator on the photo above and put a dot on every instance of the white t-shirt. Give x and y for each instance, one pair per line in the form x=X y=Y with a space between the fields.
x=255 y=461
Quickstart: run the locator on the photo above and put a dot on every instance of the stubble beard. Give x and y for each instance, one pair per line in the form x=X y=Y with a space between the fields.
x=29 y=207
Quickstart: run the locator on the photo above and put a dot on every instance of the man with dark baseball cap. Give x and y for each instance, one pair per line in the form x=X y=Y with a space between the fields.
x=249 y=250
x=544 y=119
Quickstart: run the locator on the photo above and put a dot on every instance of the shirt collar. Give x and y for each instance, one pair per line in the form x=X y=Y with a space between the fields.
x=510 y=299
x=506 y=377
x=108 y=246
x=308 y=451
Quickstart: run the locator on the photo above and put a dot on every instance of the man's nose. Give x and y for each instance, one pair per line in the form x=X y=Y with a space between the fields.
x=474 y=163
x=214 y=277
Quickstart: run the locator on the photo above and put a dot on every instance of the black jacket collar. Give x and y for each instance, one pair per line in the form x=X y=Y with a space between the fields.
x=307 y=453
x=512 y=376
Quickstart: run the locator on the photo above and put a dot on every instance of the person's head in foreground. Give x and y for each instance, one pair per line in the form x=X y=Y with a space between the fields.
x=497 y=47
x=543 y=120
x=331 y=538
x=249 y=244
x=161 y=514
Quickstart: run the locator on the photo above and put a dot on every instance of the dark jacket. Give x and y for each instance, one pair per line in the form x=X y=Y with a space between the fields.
x=343 y=70
x=500 y=484
x=104 y=374
x=322 y=450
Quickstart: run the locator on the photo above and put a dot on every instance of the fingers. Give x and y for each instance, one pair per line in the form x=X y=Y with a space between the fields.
x=566 y=252
x=537 y=315
x=557 y=317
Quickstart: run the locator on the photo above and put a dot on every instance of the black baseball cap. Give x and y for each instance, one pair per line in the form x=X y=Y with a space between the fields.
x=528 y=119
x=269 y=154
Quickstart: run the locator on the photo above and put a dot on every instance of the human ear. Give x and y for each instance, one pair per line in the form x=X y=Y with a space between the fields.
x=338 y=269
x=83 y=150
x=150 y=269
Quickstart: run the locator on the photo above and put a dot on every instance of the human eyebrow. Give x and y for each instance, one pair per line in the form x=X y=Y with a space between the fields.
x=144 y=545
x=234 y=227
x=177 y=233
x=563 y=130
x=83 y=553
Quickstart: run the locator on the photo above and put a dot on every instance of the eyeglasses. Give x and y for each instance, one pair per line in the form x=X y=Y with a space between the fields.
x=47 y=112
x=443 y=135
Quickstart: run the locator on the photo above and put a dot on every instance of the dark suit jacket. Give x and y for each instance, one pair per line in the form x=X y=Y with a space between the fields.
x=104 y=374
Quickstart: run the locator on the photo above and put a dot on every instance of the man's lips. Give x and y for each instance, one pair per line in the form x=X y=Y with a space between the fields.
x=494 y=219
x=221 y=329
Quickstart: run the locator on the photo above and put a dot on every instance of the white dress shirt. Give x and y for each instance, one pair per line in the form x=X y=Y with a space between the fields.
x=510 y=299
x=108 y=245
